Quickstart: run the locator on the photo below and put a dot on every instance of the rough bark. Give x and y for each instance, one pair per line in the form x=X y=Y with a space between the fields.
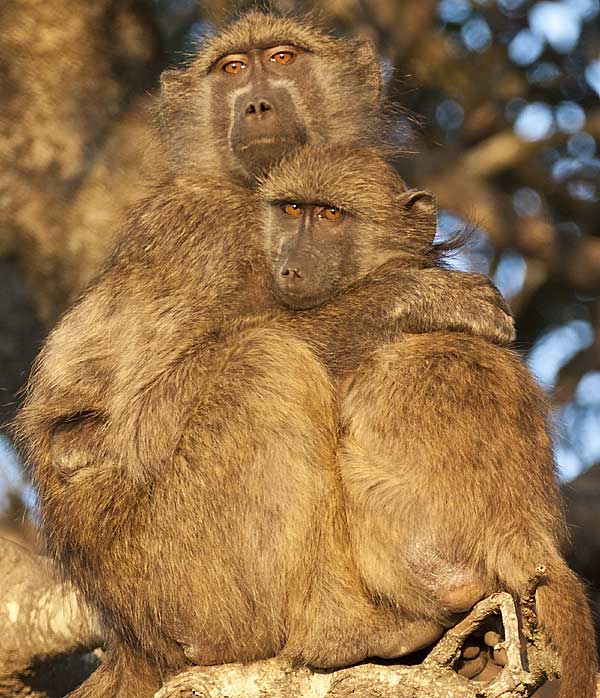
x=46 y=633
x=68 y=71
x=435 y=677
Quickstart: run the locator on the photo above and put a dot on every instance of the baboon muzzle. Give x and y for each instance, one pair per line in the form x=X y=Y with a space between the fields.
x=265 y=127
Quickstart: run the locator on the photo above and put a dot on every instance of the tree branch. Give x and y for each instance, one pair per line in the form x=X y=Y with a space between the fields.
x=41 y=620
x=525 y=671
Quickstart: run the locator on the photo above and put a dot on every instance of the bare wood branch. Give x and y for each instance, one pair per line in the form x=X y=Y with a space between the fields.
x=40 y=618
x=434 y=678
x=43 y=620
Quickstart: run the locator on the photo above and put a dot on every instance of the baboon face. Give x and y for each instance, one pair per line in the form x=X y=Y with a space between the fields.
x=337 y=214
x=264 y=86
x=257 y=95
x=311 y=252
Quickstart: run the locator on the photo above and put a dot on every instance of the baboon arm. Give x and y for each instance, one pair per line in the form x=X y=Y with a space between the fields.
x=384 y=307
x=447 y=300
x=421 y=301
x=97 y=379
x=70 y=380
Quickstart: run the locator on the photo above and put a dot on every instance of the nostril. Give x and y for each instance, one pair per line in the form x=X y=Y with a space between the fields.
x=297 y=274
x=285 y=272
x=257 y=108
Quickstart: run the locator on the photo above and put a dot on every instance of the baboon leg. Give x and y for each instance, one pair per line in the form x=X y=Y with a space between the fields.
x=359 y=631
x=338 y=624
x=404 y=638
x=445 y=450
x=459 y=597
x=272 y=395
x=211 y=549
x=264 y=424
x=332 y=624
x=270 y=382
x=402 y=464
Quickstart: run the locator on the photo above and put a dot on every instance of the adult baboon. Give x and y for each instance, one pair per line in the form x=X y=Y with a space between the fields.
x=445 y=509
x=178 y=467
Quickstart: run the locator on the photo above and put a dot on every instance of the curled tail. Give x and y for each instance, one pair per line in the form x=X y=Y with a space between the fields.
x=564 y=612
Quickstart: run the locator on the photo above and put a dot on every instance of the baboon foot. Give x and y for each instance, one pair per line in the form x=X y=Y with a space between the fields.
x=412 y=636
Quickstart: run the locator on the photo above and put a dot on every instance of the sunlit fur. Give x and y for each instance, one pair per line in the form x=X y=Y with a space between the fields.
x=185 y=462
x=472 y=489
x=171 y=482
x=365 y=186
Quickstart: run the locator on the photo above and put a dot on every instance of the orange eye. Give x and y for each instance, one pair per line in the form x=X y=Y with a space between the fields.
x=292 y=209
x=331 y=214
x=234 y=67
x=283 y=57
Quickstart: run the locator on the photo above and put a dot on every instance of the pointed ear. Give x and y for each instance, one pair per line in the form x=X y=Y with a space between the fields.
x=417 y=202
x=421 y=210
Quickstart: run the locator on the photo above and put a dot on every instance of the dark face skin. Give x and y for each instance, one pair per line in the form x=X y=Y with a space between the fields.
x=310 y=246
x=258 y=95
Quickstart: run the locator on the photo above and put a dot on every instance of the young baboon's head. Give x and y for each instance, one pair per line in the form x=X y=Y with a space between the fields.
x=264 y=86
x=334 y=215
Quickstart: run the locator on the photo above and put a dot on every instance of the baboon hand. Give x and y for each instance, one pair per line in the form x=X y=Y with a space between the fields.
x=455 y=301
x=444 y=300
x=495 y=321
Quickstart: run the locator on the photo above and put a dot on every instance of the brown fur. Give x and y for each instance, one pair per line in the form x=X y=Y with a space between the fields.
x=138 y=423
x=187 y=476
x=397 y=281
x=446 y=461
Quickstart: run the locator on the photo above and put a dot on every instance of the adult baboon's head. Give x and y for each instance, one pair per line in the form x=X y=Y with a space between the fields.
x=264 y=86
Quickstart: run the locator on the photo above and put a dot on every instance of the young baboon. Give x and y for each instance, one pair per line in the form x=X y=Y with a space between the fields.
x=442 y=510
x=179 y=466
